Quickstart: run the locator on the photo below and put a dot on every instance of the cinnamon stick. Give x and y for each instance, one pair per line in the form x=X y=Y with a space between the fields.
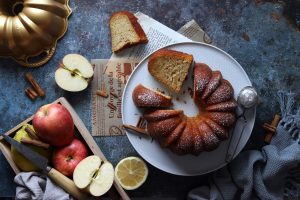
x=31 y=93
x=141 y=123
x=31 y=133
x=268 y=127
x=35 y=143
x=271 y=128
x=276 y=120
x=102 y=93
x=135 y=129
x=35 y=84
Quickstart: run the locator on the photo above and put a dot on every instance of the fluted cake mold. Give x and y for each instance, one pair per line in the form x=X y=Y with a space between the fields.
x=30 y=29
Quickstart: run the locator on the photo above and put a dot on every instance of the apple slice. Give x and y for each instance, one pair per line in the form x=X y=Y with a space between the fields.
x=94 y=176
x=85 y=170
x=74 y=73
x=103 y=180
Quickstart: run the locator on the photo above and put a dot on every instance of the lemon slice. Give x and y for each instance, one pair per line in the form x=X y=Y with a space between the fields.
x=131 y=172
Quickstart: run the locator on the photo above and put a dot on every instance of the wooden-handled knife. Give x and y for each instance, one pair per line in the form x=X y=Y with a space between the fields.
x=42 y=162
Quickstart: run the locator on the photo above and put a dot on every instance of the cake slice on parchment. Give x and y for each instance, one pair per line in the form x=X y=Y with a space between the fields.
x=125 y=31
x=170 y=67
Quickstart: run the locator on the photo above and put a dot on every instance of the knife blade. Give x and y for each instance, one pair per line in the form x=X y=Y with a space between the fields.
x=42 y=162
x=38 y=160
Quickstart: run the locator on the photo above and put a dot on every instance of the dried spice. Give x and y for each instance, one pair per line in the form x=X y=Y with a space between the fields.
x=271 y=128
x=190 y=90
x=102 y=93
x=275 y=16
x=246 y=37
x=35 y=84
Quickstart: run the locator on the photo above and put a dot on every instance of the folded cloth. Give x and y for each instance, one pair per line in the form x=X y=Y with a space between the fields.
x=272 y=173
x=37 y=186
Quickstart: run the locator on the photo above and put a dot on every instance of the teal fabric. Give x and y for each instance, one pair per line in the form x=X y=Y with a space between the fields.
x=270 y=173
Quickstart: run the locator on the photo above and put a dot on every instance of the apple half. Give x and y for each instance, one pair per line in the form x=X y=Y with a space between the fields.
x=74 y=73
x=94 y=175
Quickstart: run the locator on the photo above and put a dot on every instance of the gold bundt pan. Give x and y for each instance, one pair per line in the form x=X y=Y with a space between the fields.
x=30 y=29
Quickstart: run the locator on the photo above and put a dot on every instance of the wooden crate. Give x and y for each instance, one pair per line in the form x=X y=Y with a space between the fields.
x=116 y=192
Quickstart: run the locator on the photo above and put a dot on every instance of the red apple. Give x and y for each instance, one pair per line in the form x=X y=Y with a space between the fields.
x=65 y=159
x=53 y=123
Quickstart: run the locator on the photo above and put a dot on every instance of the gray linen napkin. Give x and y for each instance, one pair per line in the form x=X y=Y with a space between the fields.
x=37 y=186
x=272 y=173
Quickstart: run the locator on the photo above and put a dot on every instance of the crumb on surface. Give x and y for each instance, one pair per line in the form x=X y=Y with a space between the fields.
x=246 y=37
x=275 y=16
x=190 y=90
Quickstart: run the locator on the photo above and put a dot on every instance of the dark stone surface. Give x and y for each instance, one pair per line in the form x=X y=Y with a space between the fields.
x=271 y=59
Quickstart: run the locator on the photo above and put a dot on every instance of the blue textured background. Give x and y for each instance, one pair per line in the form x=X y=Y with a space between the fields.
x=271 y=59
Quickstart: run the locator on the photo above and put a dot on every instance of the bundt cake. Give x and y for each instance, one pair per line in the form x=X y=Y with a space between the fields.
x=170 y=67
x=204 y=132
x=145 y=97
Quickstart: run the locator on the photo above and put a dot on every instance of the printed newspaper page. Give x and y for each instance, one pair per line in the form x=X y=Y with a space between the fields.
x=106 y=111
x=194 y=32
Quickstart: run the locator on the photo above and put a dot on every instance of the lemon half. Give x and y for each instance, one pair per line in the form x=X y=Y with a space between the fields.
x=131 y=172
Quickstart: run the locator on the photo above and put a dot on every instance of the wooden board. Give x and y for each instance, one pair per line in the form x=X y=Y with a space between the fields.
x=116 y=192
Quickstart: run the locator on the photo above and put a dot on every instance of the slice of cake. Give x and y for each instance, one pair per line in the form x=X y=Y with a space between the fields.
x=125 y=31
x=170 y=67
x=146 y=97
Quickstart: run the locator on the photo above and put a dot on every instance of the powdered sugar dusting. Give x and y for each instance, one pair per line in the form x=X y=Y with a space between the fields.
x=222 y=118
x=213 y=84
x=223 y=93
x=223 y=106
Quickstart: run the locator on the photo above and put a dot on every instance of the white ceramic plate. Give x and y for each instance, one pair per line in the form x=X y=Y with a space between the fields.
x=164 y=159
